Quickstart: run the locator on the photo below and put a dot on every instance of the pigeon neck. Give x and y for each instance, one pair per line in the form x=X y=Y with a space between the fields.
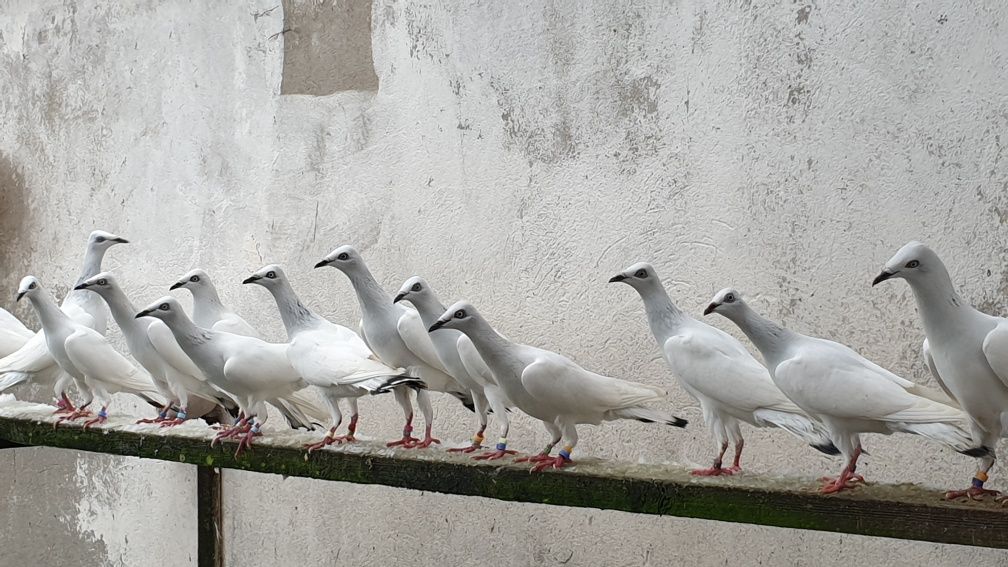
x=187 y=333
x=123 y=310
x=429 y=307
x=663 y=316
x=369 y=292
x=769 y=337
x=207 y=305
x=49 y=314
x=488 y=342
x=92 y=263
x=937 y=300
x=296 y=317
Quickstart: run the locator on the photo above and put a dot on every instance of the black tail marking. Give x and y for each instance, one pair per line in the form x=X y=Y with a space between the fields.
x=828 y=448
x=981 y=451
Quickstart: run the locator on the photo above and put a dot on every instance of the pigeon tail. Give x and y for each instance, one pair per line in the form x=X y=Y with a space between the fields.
x=800 y=426
x=645 y=415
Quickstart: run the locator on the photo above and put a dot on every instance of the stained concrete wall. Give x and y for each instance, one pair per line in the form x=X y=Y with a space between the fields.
x=516 y=154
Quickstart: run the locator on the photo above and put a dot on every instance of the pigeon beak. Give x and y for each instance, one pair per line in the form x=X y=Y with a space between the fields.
x=250 y=279
x=710 y=309
x=19 y=296
x=143 y=313
x=885 y=275
x=176 y=285
x=617 y=278
x=322 y=264
x=120 y=240
x=80 y=287
x=437 y=325
x=399 y=298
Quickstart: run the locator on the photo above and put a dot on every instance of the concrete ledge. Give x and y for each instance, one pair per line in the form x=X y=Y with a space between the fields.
x=897 y=511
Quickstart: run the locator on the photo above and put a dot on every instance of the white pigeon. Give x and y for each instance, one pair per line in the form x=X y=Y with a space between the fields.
x=251 y=370
x=208 y=310
x=86 y=354
x=328 y=356
x=849 y=394
x=966 y=350
x=151 y=343
x=13 y=333
x=33 y=360
x=398 y=336
x=552 y=388
x=463 y=362
x=719 y=373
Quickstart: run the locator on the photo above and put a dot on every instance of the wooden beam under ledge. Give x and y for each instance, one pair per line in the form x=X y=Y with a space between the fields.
x=896 y=511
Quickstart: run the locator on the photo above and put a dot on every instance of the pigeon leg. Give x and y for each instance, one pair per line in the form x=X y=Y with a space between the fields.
x=423 y=400
x=848 y=478
x=163 y=416
x=563 y=457
x=245 y=443
x=976 y=491
x=76 y=414
x=64 y=405
x=407 y=441
x=241 y=427
x=737 y=461
x=351 y=430
x=715 y=470
x=179 y=419
x=477 y=443
x=329 y=439
x=102 y=417
x=544 y=455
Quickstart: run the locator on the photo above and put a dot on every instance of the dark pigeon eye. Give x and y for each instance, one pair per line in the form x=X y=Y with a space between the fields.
x=194 y=279
x=641 y=273
x=343 y=256
x=912 y=264
x=163 y=307
x=32 y=285
x=460 y=314
x=416 y=287
x=99 y=239
x=271 y=274
x=103 y=281
x=729 y=298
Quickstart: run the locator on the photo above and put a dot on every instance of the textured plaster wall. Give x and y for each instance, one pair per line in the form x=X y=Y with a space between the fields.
x=516 y=154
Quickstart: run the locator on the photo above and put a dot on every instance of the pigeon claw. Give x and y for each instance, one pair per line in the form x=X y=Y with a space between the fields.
x=172 y=422
x=557 y=462
x=426 y=442
x=713 y=471
x=407 y=442
x=975 y=494
x=470 y=449
x=95 y=421
x=534 y=458
x=325 y=442
x=494 y=455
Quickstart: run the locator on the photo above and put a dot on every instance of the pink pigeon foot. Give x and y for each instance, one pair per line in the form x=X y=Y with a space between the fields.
x=427 y=440
x=713 y=471
x=557 y=462
x=494 y=455
x=534 y=458
x=975 y=494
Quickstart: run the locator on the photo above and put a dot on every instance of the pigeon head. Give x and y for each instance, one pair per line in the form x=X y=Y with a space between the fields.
x=461 y=316
x=268 y=276
x=344 y=258
x=102 y=240
x=910 y=262
x=725 y=302
x=637 y=276
x=192 y=280
x=29 y=287
x=415 y=288
x=98 y=282
x=167 y=309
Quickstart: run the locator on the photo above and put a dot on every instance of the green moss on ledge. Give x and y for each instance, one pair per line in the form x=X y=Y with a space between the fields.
x=905 y=512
